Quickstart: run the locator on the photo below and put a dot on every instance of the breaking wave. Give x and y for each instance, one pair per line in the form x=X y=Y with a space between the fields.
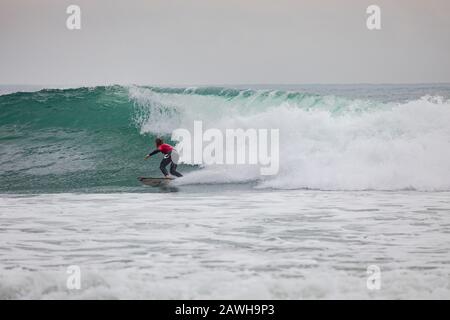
x=95 y=138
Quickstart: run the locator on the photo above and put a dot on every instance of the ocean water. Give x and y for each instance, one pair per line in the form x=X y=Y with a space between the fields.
x=364 y=181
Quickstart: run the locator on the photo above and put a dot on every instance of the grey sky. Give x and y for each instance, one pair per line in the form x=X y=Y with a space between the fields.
x=191 y=42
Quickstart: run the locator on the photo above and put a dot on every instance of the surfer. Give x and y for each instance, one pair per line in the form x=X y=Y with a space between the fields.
x=170 y=157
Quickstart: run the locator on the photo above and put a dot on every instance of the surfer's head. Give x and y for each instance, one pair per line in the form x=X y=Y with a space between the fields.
x=158 y=142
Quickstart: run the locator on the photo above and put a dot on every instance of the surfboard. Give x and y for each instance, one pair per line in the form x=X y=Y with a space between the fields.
x=155 y=182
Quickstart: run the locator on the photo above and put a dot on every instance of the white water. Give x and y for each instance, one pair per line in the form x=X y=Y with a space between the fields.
x=326 y=143
x=243 y=245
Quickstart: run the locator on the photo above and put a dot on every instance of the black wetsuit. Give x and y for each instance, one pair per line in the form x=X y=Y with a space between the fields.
x=165 y=161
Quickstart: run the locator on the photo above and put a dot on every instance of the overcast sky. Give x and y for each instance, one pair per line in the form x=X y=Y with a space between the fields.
x=189 y=42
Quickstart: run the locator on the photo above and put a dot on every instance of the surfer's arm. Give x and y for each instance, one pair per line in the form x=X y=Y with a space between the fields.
x=152 y=153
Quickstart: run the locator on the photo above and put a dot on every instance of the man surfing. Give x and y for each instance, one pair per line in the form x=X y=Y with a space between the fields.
x=170 y=157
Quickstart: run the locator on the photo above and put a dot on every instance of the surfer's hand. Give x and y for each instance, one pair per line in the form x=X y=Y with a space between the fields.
x=146 y=157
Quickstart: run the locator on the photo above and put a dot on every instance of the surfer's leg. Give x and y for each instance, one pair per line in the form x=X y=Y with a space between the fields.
x=173 y=170
x=163 y=165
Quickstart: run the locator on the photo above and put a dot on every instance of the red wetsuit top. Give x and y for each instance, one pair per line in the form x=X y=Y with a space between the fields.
x=164 y=148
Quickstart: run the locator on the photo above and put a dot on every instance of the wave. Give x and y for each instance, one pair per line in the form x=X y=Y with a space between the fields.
x=75 y=139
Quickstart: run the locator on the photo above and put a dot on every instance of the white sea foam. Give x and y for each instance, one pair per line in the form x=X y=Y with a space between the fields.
x=243 y=245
